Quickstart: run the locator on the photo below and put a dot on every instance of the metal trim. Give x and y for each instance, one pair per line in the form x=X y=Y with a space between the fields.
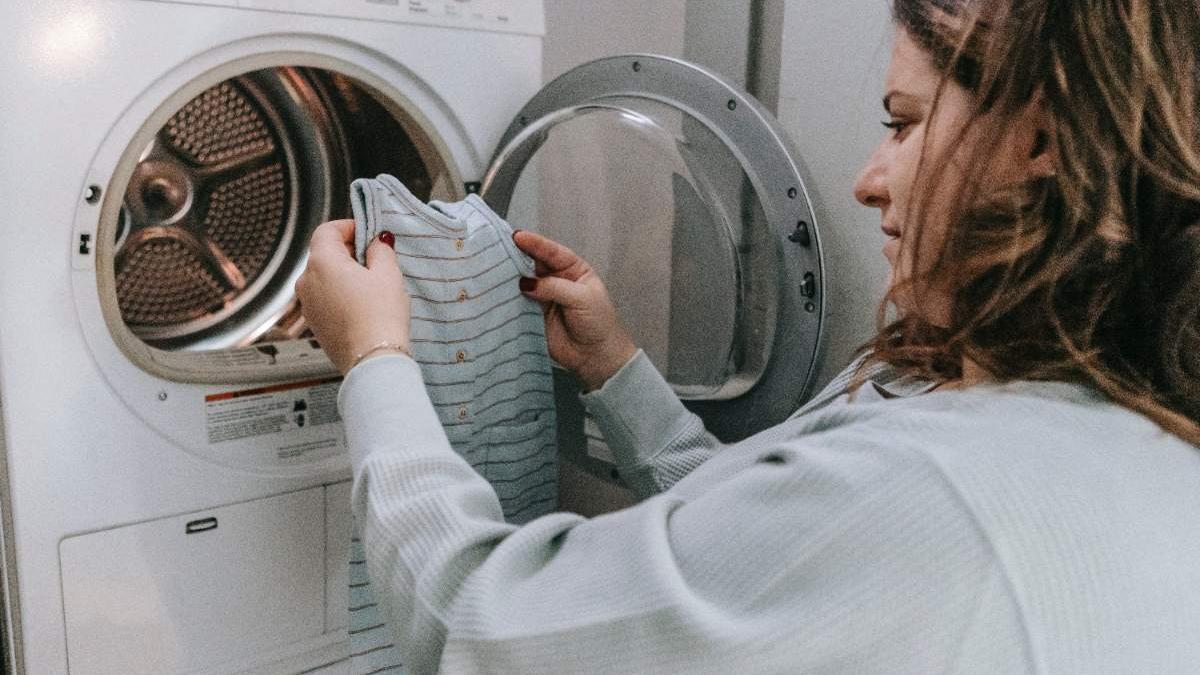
x=760 y=145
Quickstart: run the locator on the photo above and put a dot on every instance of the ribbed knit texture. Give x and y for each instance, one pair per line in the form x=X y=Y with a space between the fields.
x=482 y=351
x=1028 y=527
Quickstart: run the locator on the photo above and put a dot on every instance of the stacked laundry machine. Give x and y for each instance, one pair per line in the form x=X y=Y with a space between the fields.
x=174 y=490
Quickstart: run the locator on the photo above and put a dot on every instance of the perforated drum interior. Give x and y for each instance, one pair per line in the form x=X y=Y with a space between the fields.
x=217 y=214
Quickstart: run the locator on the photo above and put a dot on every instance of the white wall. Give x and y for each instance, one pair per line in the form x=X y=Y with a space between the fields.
x=578 y=31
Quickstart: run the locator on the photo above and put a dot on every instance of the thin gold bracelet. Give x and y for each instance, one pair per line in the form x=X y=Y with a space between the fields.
x=386 y=344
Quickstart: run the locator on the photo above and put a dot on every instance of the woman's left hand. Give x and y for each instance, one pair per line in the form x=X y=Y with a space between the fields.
x=352 y=308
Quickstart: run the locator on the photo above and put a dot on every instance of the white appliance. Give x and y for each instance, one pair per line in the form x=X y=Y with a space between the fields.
x=174 y=491
x=167 y=487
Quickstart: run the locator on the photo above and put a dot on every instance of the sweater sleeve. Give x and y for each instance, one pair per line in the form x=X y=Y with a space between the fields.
x=655 y=440
x=818 y=554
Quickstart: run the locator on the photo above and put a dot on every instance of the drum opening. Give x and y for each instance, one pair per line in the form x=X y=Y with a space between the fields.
x=215 y=219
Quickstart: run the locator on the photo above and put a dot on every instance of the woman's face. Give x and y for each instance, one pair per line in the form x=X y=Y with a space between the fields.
x=890 y=181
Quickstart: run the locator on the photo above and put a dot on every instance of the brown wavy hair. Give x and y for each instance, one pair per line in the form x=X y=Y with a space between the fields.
x=1093 y=274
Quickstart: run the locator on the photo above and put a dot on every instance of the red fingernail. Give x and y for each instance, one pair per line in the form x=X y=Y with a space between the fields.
x=388 y=238
x=527 y=284
x=515 y=233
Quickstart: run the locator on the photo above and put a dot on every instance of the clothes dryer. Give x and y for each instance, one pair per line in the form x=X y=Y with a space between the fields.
x=171 y=435
x=175 y=495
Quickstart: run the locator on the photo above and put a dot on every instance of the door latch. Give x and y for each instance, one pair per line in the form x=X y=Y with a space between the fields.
x=809 y=287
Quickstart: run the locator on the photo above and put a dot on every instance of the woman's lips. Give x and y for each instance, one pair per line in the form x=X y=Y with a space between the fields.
x=891 y=249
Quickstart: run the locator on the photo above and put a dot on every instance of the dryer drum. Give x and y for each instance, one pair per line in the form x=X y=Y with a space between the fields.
x=217 y=214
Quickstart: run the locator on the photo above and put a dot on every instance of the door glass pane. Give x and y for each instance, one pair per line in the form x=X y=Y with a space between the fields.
x=663 y=210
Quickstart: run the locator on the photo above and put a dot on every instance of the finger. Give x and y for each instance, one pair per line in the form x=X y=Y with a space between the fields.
x=381 y=259
x=551 y=256
x=558 y=291
x=335 y=236
x=553 y=314
x=381 y=256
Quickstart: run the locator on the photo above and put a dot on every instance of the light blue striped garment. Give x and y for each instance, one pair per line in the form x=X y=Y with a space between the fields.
x=481 y=346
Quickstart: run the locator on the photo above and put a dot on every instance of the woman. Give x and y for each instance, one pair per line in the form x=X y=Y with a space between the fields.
x=1007 y=481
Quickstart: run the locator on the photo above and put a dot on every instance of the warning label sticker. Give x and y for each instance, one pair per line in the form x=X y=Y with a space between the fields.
x=249 y=413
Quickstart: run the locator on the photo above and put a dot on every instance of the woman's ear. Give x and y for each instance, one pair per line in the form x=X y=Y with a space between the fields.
x=1040 y=139
x=1028 y=147
x=1041 y=157
x=1043 y=146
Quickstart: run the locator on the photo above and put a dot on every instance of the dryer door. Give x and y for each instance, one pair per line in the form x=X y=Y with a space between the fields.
x=681 y=190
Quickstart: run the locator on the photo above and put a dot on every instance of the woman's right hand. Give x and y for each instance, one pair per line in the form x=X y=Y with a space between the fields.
x=582 y=330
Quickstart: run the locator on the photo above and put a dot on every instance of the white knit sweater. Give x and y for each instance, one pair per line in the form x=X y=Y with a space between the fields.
x=1028 y=527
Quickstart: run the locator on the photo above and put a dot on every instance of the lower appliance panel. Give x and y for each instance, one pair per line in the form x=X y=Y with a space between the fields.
x=198 y=590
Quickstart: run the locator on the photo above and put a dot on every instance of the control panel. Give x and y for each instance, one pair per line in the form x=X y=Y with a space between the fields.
x=509 y=16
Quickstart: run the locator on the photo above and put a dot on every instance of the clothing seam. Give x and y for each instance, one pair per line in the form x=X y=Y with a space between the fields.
x=650 y=461
x=522 y=262
x=633 y=469
x=421 y=210
x=839 y=385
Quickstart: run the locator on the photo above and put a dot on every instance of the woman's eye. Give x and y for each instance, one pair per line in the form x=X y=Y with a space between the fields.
x=896 y=127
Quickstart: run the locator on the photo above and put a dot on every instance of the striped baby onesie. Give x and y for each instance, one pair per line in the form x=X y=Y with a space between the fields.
x=481 y=346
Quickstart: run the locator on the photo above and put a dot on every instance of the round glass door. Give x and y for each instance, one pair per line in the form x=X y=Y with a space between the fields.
x=678 y=189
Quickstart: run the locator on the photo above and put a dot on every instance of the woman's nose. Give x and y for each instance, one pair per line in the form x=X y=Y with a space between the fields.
x=870 y=189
